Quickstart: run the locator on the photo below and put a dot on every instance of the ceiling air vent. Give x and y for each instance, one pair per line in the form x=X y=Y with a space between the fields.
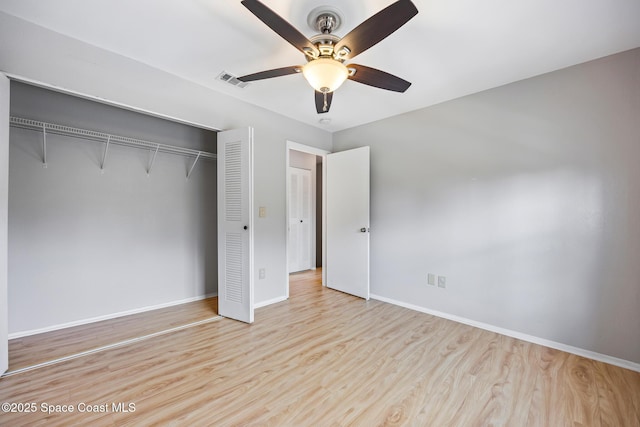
x=231 y=79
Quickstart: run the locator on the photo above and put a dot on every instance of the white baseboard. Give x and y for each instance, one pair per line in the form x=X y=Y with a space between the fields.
x=519 y=335
x=21 y=334
x=269 y=302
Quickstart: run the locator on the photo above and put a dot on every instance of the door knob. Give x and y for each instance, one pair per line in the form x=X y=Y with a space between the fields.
x=245 y=227
x=364 y=230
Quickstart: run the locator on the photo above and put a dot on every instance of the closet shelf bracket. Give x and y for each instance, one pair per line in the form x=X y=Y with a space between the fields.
x=194 y=164
x=152 y=159
x=44 y=146
x=104 y=155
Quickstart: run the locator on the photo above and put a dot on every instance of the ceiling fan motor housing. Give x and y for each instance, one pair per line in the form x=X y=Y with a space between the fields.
x=325 y=44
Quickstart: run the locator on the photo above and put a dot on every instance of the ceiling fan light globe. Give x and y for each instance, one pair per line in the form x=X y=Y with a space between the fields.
x=325 y=74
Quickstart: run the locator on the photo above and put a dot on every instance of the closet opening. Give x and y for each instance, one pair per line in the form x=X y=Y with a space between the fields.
x=112 y=225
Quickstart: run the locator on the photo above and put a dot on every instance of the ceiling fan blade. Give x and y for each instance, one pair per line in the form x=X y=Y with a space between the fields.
x=276 y=72
x=377 y=28
x=280 y=26
x=376 y=78
x=321 y=106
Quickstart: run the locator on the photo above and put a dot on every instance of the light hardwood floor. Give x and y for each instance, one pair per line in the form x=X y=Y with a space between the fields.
x=42 y=348
x=324 y=358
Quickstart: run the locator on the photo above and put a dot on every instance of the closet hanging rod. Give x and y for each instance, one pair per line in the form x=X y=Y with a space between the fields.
x=52 y=128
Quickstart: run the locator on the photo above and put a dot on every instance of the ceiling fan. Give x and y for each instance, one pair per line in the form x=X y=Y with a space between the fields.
x=327 y=53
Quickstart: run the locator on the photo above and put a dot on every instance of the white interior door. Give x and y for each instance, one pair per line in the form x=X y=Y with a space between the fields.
x=347 y=221
x=4 y=203
x=299 y=219
x=235 y=224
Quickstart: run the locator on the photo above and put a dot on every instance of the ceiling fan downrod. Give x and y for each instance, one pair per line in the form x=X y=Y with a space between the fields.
x=326 y=23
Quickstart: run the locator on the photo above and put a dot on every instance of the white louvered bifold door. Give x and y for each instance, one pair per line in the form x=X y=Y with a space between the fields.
x=235 y=224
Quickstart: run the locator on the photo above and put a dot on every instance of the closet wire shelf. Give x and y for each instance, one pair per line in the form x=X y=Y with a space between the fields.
x=106 y=138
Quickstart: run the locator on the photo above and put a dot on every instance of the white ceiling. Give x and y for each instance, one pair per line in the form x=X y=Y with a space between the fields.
x=450 y=49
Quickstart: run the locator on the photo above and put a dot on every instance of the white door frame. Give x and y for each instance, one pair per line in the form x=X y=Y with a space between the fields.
x=5 y=88
x=317 y=152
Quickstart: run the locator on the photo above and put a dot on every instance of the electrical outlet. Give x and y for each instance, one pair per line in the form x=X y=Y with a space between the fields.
x=431 y=279
x=262 y=212
x=442 y=282
x=262 y=273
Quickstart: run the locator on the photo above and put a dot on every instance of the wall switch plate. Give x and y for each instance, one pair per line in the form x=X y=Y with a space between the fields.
x=431 y=279
x=262 y=273
x=262 y=212
x=442 y=282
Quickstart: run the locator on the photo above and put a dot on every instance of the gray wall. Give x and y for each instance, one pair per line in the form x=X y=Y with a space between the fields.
x=84 y=244
x=526 y=197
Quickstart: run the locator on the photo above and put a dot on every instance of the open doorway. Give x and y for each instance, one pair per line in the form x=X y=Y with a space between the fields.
x=305 y=208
